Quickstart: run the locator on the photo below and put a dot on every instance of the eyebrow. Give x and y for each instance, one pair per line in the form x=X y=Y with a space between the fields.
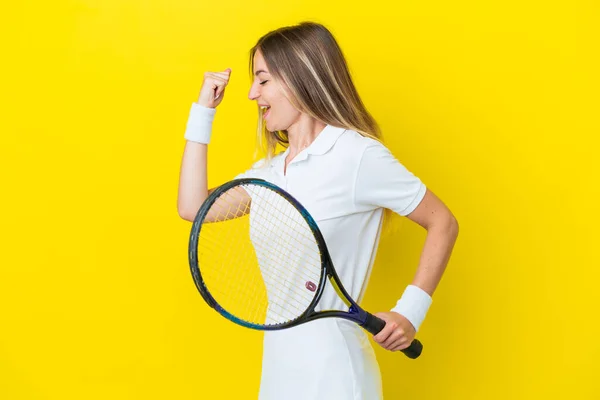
x=259 y=71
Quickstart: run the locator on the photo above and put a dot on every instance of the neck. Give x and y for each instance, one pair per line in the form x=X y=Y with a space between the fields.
x=302 y=133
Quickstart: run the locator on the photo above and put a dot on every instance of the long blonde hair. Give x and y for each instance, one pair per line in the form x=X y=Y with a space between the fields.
x=307 y=59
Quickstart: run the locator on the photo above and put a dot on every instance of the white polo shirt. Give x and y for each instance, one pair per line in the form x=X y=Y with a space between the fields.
x=344 y=180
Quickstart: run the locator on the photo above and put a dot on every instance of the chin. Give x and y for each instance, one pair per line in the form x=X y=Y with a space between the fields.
x=273 y=128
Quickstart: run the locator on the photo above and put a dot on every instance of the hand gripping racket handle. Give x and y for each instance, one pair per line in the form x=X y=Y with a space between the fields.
x=374 y=325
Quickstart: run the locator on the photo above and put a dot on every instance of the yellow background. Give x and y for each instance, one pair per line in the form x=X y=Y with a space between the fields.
x=493 y=105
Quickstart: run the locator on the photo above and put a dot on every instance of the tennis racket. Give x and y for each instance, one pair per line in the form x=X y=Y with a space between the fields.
x=258 y=258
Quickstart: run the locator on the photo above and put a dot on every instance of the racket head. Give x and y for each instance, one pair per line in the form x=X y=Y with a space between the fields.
x=257 y=256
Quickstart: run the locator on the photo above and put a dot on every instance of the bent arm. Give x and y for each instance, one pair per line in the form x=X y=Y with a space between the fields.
x=442 y=232
x=193 y=187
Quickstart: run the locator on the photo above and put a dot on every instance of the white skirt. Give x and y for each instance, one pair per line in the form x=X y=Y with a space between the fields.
x=326 y=359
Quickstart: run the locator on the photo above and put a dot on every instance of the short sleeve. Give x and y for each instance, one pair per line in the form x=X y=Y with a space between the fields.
x=256 y=171
x=382 y=181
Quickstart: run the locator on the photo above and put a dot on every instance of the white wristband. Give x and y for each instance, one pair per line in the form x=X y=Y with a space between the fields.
x=199 y=124
x=413 y=305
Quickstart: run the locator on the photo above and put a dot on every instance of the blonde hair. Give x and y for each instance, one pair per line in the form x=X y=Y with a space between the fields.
x=308 y=61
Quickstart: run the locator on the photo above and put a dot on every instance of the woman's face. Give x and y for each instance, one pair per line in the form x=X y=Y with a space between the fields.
x=280 y=114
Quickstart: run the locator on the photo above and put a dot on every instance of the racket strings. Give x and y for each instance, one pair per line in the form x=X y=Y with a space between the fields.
x=259 y=259
x=219 y=279
x=278 y=290
x=268 y=223
x=313 y=257
x=274 y=252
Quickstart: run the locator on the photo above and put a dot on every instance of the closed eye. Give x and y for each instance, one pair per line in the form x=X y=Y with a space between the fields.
x=263 y=82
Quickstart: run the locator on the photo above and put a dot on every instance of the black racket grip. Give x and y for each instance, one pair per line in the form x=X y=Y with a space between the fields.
x=374 y=325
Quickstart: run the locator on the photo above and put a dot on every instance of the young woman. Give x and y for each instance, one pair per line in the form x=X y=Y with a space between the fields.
x=336 y=166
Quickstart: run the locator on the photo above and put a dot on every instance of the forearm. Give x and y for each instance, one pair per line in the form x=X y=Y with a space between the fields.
x=417 y=297
x=435 y=255
x=193 y=186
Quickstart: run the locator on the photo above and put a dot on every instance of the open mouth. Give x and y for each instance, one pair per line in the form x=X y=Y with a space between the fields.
x=265 y=110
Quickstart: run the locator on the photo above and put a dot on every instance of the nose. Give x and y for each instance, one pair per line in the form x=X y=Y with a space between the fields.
x=254 y=91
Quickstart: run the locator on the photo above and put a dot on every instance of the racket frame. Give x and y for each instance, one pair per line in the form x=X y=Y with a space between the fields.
x=355 y=313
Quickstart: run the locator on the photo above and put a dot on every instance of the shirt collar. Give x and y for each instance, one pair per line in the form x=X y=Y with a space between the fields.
x=321 y=145
x=325 y=140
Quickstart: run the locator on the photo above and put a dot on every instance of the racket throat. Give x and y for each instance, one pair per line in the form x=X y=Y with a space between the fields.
x=358 y=315
x=353 y=310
